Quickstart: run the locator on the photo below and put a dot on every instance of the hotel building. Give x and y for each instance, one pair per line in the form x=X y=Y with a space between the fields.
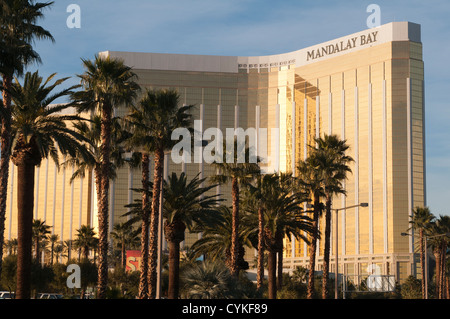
x=367 y=87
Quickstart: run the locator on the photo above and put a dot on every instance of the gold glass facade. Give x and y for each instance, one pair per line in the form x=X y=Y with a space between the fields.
x=367 y=92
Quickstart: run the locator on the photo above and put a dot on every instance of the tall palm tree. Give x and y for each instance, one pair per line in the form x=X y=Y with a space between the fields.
x=334 y=167
x=85 y=240
x=40 y=233
x=40 y=131
x=311 y=180
x=91 y=129
x=254 y=198
x=440 y=228
x=139 y=213
x=107 y=83
x=18 y=21
x=152 y=122
x=230 y=168
x=421 y=221
x=186 y=204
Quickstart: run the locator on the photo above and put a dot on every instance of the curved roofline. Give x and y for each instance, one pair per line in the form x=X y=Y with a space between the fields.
x=394 y=31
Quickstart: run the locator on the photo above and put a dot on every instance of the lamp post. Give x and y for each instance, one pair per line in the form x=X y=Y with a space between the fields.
x=336 y=295
x=425 y=237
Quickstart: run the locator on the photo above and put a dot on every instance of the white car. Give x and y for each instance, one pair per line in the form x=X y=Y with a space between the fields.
x=50 y=296
x=6 y=295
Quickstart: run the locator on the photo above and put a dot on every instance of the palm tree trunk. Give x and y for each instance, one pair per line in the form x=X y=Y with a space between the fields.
x=124 y=258
x=280 y=264
x=36 y=249
x=437 y=256
x=154 y=223
x=143 y=281
x=272 y=266
x=103 y=213
x=174 y=233
x=442 y=272
x=422 y=261
x=25 y=200
x=313 y=247
x=235 y=228
x=174 y=270
x=260 y=264
x=5 y=152
x=327 y=249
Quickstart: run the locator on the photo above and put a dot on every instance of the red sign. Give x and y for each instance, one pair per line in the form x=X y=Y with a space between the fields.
x=133 y=262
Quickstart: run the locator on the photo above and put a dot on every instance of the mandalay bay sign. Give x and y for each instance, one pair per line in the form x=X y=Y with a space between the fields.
x=342 y=45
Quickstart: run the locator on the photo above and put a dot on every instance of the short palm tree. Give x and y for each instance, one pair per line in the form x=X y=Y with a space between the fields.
x=421 y=221
x=230 y=168
x=18 y=21
x=124 y=234
x=40 y=234
x=152 y=122
x=39 y=131
x=107 y=84
x=215 y=242
x=283 y=216
x=85 y=240
x=208 y=280
x=53 y=244
x=186 y=203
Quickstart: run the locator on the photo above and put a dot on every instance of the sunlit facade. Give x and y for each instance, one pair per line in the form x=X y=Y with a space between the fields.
x=367 y=87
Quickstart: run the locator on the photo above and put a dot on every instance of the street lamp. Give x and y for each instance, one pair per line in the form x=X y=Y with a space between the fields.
x=336 y=239
x=337 y=246
x=425 y=237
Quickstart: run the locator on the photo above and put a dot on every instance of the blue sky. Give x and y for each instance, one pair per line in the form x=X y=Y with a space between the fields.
x=252 y=28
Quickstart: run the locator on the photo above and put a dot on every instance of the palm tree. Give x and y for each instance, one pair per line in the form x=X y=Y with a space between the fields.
x=124 y=234
x=331 y=154
x=138 y=212
x=230 y=169
x=11 y=246
x=108 y=83
x=18 y=20
x=67 y=246
x=39 y=131
x=85 y=240
x=440 y=228
x=283 y=216
x=311 y=181
x=91 y=129
x=208 y=280
x=215 y=242
x=152 y=122
x=254 y=198
x=53 y=243
x=185 y=205
x=421 y=221
x=40 y=233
